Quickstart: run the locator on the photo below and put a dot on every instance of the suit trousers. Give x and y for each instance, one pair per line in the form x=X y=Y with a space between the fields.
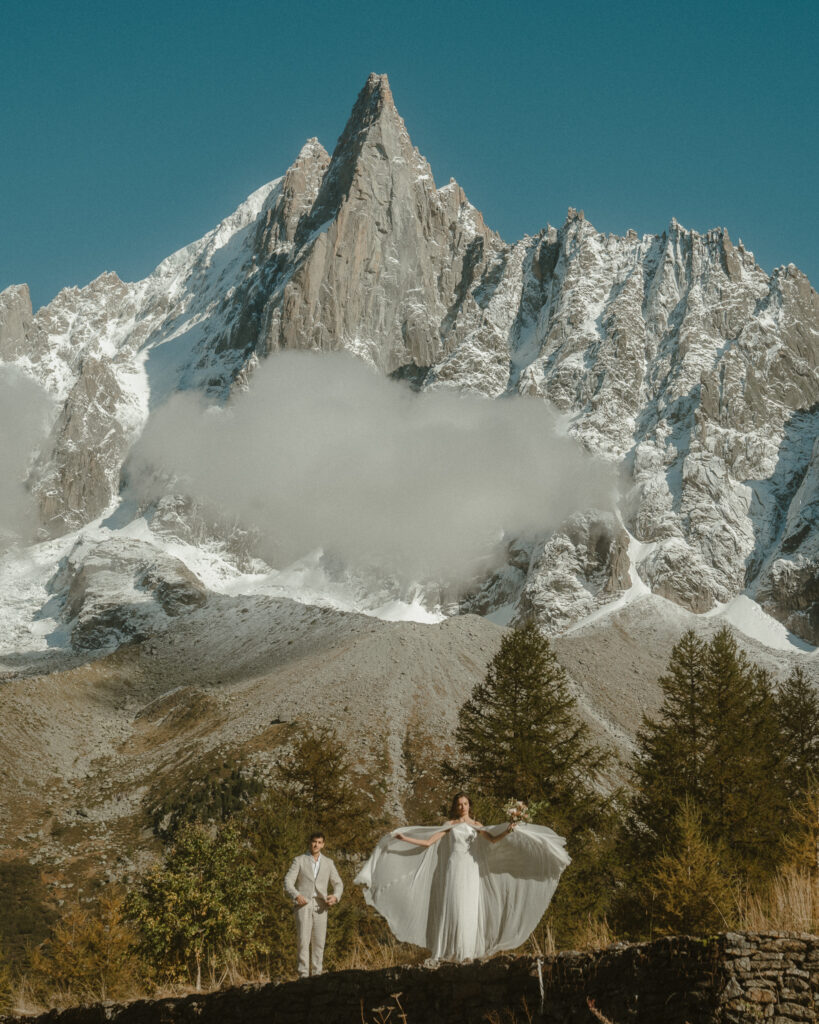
x=311 y=929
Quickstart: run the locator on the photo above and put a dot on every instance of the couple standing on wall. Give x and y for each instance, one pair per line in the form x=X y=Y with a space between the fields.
x=461 y=889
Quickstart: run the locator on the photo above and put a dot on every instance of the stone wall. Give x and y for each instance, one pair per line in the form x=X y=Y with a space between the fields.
x=723 y=980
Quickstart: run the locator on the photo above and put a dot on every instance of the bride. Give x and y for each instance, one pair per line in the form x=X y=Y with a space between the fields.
x=462 y=889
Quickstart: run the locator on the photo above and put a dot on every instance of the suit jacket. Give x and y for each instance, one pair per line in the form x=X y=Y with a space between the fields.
x=299 y=879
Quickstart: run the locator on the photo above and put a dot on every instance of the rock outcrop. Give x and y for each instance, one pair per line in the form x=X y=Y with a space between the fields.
x=121 y=591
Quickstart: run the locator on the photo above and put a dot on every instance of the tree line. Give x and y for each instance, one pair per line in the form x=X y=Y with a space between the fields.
x=718 y=800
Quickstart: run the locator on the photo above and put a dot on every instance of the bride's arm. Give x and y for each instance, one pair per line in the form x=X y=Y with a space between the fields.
x=497 y=839
x=420 y=842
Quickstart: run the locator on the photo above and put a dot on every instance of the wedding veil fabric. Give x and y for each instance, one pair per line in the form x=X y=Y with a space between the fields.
x=428 y=894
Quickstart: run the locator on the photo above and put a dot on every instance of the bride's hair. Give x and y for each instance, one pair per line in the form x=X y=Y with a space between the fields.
x=453 y=809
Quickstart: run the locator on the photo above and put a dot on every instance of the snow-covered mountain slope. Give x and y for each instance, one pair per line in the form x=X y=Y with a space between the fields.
x=673 y=356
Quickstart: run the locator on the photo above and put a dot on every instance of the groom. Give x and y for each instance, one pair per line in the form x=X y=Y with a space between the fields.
x=306 y=883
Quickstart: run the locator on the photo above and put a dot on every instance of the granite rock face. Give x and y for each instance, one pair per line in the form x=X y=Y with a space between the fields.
x=121 y=591
x=16 y=317
x=363 y=253
x=578 y=569
x=674 y=356
x=88 y=447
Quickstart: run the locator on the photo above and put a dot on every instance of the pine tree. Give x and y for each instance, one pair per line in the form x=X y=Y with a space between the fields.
x=519 y=734
x=797 y=708
x=668 y=764
x=743 y=798
x=314 y=786
x=316 y=776
x=716 y=742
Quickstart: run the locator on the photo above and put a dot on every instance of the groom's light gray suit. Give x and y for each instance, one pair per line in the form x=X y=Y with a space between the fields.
x=311 y=919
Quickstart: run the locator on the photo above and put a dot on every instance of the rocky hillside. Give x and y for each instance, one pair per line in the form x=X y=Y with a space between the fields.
x=88 y=751
x=673 y=356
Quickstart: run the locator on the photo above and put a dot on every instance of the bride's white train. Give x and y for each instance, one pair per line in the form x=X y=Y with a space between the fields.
x=460 y=896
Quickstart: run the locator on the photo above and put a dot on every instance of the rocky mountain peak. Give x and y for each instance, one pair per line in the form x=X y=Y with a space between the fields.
x=373 y=101
x=294 y=201
x=379 y=261
x=374 y=133
x=15 y=320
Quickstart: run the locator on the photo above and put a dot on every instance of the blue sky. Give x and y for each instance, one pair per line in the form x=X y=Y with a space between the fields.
x=128 y=130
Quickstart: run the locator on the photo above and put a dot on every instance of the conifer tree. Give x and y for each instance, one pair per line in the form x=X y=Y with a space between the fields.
x=668 y=762
x=315 y=778
x=519 y=734
x=314 y=786
x=743 y=796
x=716 y=741
x=91 y=953
x=797 y=708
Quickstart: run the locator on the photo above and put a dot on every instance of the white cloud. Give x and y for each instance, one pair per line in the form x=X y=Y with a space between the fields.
x=321 y=452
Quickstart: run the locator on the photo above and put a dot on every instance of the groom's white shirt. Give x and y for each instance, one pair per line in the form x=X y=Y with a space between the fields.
x=308 y=877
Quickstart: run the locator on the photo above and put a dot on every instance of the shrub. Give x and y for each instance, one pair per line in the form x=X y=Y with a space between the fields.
x=691 y=890
x=90 y=955
x=213 y=797
x=202 y=908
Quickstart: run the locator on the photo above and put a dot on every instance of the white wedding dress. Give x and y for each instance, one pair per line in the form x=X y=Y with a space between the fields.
x=464 y=897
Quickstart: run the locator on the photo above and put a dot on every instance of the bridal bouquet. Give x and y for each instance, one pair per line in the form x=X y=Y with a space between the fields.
x=516 y=811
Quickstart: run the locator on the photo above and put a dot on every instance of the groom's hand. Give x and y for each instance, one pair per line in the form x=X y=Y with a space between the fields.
x=301 y=901
x=332 y=900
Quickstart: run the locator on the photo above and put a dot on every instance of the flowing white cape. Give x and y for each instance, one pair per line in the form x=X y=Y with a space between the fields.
x=518 y=876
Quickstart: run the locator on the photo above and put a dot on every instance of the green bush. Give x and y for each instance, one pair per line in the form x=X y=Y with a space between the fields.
x=202 y=908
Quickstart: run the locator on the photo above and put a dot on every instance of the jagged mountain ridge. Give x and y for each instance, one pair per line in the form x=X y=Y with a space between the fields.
x=673 y=355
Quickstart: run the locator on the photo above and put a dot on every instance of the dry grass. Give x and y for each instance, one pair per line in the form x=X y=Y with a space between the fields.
x=591 y=934
x=32 y=994
x=371 y=954
x=541 y=942
x=788 y=903
x=25 y=1000
x=523 y=1015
